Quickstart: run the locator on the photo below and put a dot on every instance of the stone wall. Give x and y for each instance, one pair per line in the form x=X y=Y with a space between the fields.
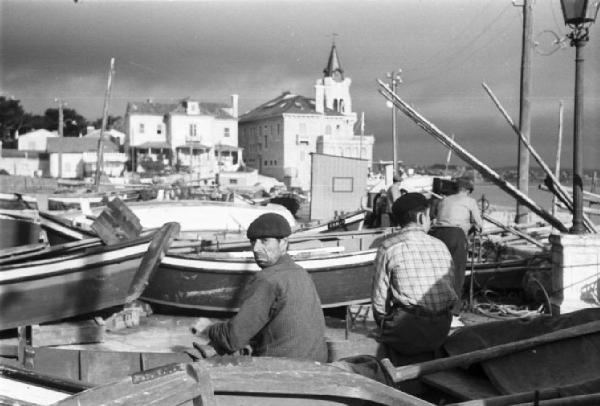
x=576 y=271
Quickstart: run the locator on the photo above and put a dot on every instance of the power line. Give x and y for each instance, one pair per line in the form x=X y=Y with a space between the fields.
x=466 y=46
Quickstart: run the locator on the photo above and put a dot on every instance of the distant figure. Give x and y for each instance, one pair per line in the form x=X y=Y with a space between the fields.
x=280 y=314
x=457 y=216
x=413 y=287
x=393 y=193
x=380 y=205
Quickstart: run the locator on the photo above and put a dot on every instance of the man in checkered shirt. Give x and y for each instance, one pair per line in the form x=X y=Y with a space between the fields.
x=413 y=288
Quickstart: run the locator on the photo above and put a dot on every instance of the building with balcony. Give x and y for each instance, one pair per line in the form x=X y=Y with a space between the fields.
x=189 y=135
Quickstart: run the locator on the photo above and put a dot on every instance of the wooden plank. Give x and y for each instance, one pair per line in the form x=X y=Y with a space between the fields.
x=403 y=373
x=55 y=361
x=22 y=249
x=165 y=386
x=101 y=367
x=459 y=384
x=117 y=223
x=156 y=251
x=88 y=331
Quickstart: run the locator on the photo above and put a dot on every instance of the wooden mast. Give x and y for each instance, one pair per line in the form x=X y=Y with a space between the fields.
x=465 y=155
x=99 y=161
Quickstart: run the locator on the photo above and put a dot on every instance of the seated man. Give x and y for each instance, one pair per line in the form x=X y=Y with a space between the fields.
x=280 y=314
x=413 y=292
x=457 y=215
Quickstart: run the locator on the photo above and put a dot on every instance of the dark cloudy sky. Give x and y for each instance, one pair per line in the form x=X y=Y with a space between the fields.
x=208 y=50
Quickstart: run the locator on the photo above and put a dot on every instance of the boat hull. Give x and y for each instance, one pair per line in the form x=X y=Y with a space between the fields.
x=216 y=285
x=47 y=290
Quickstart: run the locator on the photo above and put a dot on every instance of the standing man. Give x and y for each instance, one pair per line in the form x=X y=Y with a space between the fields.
x=280 y=314
x=457 y=216
x=413 y=291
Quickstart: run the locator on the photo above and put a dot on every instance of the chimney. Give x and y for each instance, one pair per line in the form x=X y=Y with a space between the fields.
x=319 y=98
x=234 y=105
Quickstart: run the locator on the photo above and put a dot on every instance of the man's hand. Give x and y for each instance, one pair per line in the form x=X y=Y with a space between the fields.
x=200 y=328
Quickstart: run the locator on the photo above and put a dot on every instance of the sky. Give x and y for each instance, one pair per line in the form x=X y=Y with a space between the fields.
x=208 y=50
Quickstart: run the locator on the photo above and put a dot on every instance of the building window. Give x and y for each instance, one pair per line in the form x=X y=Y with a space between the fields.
x=193 y=130
x=278 y=129
x=340 y=184
x=276 y=162
x=226 y=132
x=266 y=142
x=159 y=129
x=233 y=181
x=141 y=128
x=266 y=163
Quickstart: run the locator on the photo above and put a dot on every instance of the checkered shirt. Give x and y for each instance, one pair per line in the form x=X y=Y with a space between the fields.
x=420 y=270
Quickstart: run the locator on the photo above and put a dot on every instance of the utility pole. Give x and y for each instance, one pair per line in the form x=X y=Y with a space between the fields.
x=99 y=163
x=394 y=77
x=524 y=107
x=61 y=119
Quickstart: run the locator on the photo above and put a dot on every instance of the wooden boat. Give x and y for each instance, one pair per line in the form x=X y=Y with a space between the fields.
x=17 y=201
x=77 y=278
x=20 y=230
x=217 y=381
x=213 y=281
x=198 y=218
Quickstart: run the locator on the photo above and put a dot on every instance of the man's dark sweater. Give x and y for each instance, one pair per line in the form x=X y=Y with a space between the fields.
x=280 y=316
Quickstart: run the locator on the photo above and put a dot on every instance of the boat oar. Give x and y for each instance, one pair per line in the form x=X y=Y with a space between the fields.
x=513 y=231
x=156 y=251
x=466 y=156
x=558 y=189
x=403 y=373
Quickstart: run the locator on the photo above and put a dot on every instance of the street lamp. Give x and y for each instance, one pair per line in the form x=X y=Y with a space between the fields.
x=394 y=77
x=578 y=15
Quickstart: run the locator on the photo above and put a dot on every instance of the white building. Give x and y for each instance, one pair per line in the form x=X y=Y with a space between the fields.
x=35 y=140
x=279 y=135
x=189 y=135
x=74 y=158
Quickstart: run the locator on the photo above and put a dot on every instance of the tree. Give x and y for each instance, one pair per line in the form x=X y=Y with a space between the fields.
x=111 y=122
x=11 y=117
x=73 y=123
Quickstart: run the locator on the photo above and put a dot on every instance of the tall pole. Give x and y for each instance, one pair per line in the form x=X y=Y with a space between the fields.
x=578 y=228
x=395 y=78
x=99 y=163
x=524 y=107
x=61 y=118
x=558 y=152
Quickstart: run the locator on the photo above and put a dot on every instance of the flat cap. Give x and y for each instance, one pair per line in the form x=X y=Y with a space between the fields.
x=269 y=225
x=409 y=201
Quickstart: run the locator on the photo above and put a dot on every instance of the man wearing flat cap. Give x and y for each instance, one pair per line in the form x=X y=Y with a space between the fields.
x=413 y=293
x=280 y=313
x=457 y=216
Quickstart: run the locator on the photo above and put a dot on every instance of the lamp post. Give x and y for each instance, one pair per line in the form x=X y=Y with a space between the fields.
x=394 y=77
x=578 y=15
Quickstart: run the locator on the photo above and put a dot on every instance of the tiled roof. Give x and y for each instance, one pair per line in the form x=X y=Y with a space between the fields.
x=285 y=103
x=83 y=144
x=161 y=109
